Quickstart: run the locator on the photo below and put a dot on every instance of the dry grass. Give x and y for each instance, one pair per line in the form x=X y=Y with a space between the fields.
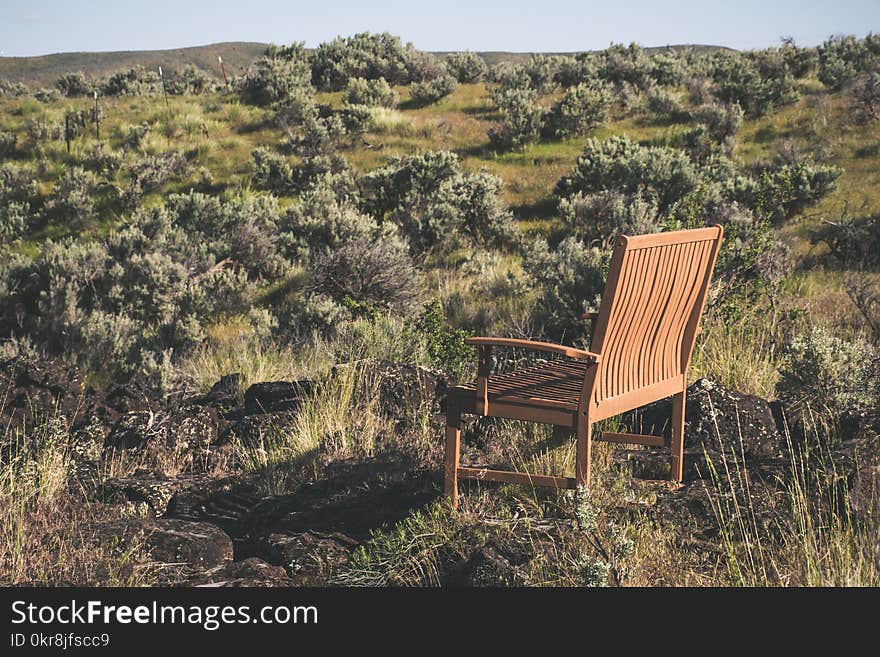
x=49 y=532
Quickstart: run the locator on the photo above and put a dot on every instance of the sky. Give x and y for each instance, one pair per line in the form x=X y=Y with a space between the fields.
x=39 y=27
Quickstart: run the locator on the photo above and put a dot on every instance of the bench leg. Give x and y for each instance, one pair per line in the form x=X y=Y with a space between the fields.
x=677 y=436
x=584 y=452
x=453 y=453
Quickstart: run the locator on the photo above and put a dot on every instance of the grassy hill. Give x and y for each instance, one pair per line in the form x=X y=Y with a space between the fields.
x=42 y=71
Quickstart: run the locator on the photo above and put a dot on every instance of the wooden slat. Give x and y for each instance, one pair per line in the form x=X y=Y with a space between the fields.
x=632 y=439
x=635 y=398
x=676 y=237
x=516 y=477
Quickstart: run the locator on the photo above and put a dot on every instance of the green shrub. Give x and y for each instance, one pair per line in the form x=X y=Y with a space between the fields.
x=47 y=95
x=800 y=61
x=722 y=121
x=102 y=160
x=853 y=242
x=72 y=200
x=605 y=215
x=466 y=67
x=667 y=69
x=752 y=260
x=757 y=86
x=510 y=76
x=541 y=71
x=9 y=89
x=276 y=76
x=444 y=344
x=843 y=58
x=570 y=279
x=136 y=81
x=572 y=71
x=373 y=93
x=522 y=119
x=17 y=189
x=75 y=85
x=8 y=143
x=788 y=186
x=621 y=64
x=663 y=175
x=433 y=90
x=828 y=374
x=310 y=129
x=663 y=103
x=434 y=202
x=371 y=267
x=581 y=109
x=272 y=172
x=40 y=132
x=191 y=80
x=370 y=56
x=865 y=98
x=149 y=173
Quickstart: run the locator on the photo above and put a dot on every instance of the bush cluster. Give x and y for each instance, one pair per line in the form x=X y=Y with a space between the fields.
x=433 y=90
x=434 y=202
x=373 y=93
x=521 y=118
x=370 y=56
x=466 y=67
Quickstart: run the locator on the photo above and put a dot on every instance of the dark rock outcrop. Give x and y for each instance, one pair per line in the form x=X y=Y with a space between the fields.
x=309 y=558
x=254 y=430
x=246 y=573
x=198 y=544
x=187 y=431
x=716 y=419
x=152 y=488
x=276 y=396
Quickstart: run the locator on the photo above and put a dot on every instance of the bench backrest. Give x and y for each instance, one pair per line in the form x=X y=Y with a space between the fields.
x=649 y=316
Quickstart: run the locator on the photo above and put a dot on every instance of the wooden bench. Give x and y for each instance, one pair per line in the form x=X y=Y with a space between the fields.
x=641 y=348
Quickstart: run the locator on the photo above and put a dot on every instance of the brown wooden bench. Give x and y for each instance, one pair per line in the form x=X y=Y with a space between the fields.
x=641 y=347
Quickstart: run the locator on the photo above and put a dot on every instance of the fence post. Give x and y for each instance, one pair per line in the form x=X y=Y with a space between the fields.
x=223 y=70
x=97 y=119
x=164 y=93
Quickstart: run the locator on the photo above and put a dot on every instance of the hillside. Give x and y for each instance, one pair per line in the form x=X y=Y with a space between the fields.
x=42 y=71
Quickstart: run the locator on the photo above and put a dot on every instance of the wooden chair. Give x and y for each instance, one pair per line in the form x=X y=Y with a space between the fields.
x=641 y=348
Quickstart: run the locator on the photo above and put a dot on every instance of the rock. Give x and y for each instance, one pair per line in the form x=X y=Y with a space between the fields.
x=197 y=544
x=151 y=487
x=193 y=428
x=246 y=573
x=134 y=395
x=275 y=396
x=309 y=558
x=741 y=501
x=254 y=430
x=490 y=566
x=352 y=498
x=134 y=429
x=689 y=510
x=35 y=390
x=654 y=464
x=223 y=395
x=188 y=430
x=716 y=419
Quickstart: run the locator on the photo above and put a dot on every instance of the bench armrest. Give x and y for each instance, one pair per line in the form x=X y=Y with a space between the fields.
x=562 y=350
